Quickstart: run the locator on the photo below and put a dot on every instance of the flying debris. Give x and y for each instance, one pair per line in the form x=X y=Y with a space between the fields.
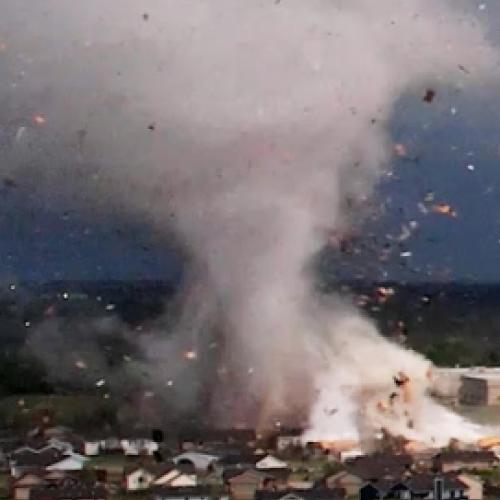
x=382 y=406
x=429 y=95
x=39 y=120
x=20 y=134
x=81 y=365
x=330 y=411
x=401 y=379
x=399 y=149
x=444 y=209
x=384 y=293
x=100 y=382
x=190 y=355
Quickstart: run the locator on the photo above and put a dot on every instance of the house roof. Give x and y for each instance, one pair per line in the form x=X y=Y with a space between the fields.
x=417 y=483
x=33 y=458
x=183 y=492
x=131 y=469
x=68 y=487
x=307 y=494
x=425 y=482
x=75 y=492
x=275 y=473
x=248 y=475
x=29 y=478
x=201 y=461
x=379 y=465
x=231 y=472
x=466 y=456
x=230 y=459
x=270 y=462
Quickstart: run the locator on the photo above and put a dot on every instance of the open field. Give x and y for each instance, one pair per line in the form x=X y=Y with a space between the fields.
x=70 y=410
x=485 y=415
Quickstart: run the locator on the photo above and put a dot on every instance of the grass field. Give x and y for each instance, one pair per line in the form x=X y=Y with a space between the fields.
x=486 y=415
x=70 y=410
x=4 y=485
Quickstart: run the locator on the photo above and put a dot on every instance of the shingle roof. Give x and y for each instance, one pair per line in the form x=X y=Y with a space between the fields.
x=43 y=458
x=309 y=494
x=417 y=483
x=425 y=482
x=75 y=490
x=379 y=465
x=230 y=459
x=188 y=491
x=466 y=456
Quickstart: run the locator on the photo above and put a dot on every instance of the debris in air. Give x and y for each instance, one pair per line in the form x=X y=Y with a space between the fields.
x=190 y=355
x=444 y=209
x=399 y=149
x=100 y=382
x=429 y=95
x=39 y=120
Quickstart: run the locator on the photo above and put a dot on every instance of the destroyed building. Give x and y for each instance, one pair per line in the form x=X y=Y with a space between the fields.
x=480 y=388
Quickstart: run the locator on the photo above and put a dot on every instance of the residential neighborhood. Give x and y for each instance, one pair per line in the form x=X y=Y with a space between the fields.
x=57 y=463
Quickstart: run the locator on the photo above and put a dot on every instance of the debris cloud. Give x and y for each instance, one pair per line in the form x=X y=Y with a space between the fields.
x=244 y=128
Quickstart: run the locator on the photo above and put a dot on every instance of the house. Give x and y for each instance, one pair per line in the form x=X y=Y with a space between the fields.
x=175 y=477
x=465 y=460
x=380 y=465
x=346 y=455
x=235 y=460
x=202 y=462
x=474 y=484
x=69 y=488
x=274 y=467
x=84 y=445
x=62 y=445
x=90 y=447
x=270 y=462
x=69 y=462
x=491 y=490
x=416 y=487
x=135 y=446
x=192 y=493
x=298 y=494
x=21 y=486
x=346 y=480
x=111 y=444
x=289 y=438
x=137 y=478
x=243 y=486
x=27 y=459
x=213 y=438
x=54 y=485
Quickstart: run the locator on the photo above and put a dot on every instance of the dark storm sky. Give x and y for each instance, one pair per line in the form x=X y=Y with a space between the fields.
x=456 y=139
